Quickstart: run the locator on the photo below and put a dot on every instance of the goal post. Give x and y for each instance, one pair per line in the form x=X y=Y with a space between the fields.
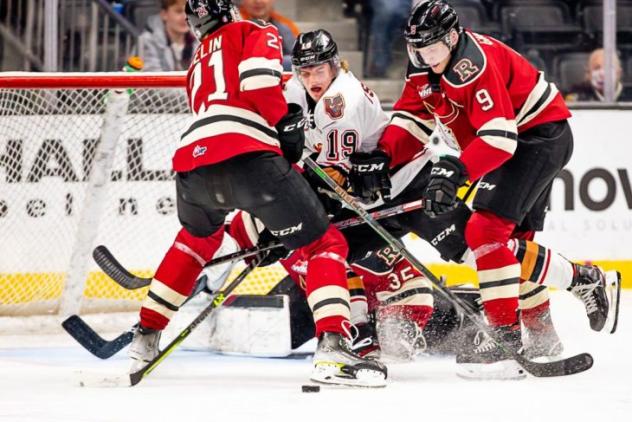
x=85 y=159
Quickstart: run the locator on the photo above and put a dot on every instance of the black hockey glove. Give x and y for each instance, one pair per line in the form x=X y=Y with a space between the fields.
x=446 y=176
x=369 y=175
x=291 y=129
x=273 y=255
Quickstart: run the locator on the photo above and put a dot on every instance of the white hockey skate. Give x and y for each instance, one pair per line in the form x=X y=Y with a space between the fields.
x=335 y=363
x=144 y=347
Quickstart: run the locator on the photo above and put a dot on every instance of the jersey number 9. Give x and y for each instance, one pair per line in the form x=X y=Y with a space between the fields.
x=484 y=99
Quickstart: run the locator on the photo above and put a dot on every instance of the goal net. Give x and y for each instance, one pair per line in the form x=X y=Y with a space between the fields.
x=85 y=159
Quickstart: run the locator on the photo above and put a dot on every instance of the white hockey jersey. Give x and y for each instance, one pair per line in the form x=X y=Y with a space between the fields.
x=348 y=118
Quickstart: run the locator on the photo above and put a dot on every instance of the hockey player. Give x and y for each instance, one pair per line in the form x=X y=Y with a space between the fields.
x=511 y=125
x=230 y=157
x=345 y=120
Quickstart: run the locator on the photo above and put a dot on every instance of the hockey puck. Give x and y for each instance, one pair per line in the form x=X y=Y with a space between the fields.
x=310 y=388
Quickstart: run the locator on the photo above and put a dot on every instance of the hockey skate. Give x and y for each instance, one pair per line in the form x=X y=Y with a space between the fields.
x=144 y=347
x=336 y=363
x=599 y=294
x=364 y=342
x=483 y=359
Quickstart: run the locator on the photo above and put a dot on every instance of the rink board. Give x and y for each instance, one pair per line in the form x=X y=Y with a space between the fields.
x=589 y=220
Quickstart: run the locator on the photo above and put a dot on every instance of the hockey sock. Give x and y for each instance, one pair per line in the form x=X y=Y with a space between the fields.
x=542 y=266
x=497 y=267
x=175 y=277
x=359 y=306
x=326 y=282
x=537 y=318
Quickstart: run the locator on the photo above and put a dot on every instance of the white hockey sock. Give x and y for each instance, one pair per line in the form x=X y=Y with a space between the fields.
x=540 y=265
x=560 y=272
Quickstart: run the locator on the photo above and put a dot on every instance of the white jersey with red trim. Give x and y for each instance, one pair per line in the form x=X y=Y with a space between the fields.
x=235 y=92
x=347 y=118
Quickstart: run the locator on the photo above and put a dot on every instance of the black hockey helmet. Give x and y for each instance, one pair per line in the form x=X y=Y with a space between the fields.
x=429 y=22
x=206 y=16
x=314 y=48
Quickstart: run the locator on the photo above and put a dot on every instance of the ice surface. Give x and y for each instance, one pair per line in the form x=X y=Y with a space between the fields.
x=38 y=382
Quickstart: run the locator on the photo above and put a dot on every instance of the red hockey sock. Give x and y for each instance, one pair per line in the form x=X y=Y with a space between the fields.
x=175 y=277
x=326 y=282
x=497 y=267
x=537 y=318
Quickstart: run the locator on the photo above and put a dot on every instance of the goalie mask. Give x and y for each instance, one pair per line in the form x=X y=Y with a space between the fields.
x=207 y=16
x=428 y=31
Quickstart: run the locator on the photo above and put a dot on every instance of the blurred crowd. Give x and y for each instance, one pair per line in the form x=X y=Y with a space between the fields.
x=561 y=38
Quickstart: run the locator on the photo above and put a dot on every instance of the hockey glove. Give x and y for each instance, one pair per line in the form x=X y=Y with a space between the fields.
x=291 y=129
x=446 y=176
x=273 y=255
x=369 y=175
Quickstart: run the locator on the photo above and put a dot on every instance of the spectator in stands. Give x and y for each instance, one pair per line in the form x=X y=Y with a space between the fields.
x=389 y=17
x=592 y=88
x=264 y=10
x=167 y=43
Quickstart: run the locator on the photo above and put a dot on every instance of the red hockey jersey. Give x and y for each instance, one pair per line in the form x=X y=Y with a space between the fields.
x=235 y=94
x=487 y=96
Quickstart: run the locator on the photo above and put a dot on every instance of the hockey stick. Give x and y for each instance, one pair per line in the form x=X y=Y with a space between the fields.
x=134 y=378
x=97 y=345
x=104 y=349
x=568 y=366
x=117 y=272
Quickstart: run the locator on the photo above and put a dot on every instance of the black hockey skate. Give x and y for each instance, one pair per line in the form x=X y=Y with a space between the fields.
x=336 y=363
x=599 y=295
x=144 y=347
x=481 y=358
x=364 y=342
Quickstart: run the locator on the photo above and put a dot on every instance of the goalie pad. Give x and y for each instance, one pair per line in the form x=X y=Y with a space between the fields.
x=251 y=325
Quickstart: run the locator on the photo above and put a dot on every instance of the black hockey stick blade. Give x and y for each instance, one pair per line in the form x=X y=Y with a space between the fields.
x=106 y=261
x=93 y=342
x=105 y=349
x=568 y=366
x=117 y=272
